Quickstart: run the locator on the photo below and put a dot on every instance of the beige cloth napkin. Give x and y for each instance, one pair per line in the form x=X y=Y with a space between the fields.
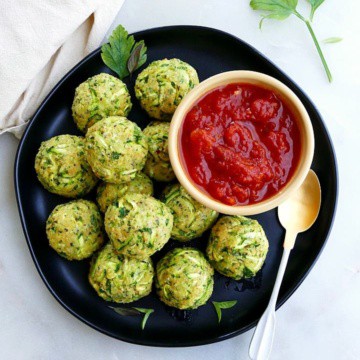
x=41 y=40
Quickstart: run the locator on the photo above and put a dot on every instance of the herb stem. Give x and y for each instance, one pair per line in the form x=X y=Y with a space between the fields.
x=327 y=70
x=299 y=16
x=312 y=12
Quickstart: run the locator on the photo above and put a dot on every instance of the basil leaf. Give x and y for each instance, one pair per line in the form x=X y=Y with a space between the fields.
x=223 y=305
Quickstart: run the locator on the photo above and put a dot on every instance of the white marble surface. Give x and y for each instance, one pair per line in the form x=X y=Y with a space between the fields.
x=321 y=320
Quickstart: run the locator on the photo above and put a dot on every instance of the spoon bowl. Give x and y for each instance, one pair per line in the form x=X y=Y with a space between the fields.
x=300 y=211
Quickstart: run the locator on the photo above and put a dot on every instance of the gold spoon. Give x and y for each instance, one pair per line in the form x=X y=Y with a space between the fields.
x=296 y=215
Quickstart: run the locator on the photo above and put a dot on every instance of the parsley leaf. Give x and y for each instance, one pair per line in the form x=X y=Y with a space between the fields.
x=282 y=9
x=275 y=9
x=223 y=305
x=314 y=5
x=117 y=52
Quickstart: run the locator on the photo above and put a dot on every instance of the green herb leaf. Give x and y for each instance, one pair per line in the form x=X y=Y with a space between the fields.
x=275 y=9
x=123 y=212
x=134 y=312
x=115 y=155
x=117 y=52
x=146 y=229
x=125 y=311
x=223 y=305
x=147 y=313
x=282 y=9
x=314 y=5
x=137 y=57
x=332 y=40
x=248 y=273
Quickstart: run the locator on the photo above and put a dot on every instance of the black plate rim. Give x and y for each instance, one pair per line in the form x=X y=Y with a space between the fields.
x=195 y=342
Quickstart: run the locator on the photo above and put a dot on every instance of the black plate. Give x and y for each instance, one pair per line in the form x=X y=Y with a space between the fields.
x=210 y=52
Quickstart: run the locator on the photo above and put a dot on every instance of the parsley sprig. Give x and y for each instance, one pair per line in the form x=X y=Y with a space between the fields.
x=282 y=9
x=122 y=54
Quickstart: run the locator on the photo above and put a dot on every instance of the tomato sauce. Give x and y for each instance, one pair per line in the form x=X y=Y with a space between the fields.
x=240 y=143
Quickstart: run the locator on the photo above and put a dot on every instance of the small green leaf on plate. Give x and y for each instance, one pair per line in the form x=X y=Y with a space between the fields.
x=126 y=311
x=332 y=40
x=137 y=57
x=134 y=312
x=223 y=305
x=147 y=313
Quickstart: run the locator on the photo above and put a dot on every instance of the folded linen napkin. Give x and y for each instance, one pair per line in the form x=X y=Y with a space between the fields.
x=40 y=41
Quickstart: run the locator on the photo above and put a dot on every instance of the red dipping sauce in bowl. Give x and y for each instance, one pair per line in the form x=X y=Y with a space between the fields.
x=240 y=143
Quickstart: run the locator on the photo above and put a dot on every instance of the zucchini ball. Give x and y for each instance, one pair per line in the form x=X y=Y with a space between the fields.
x=118 y=278
x=62 y=168
x=191 y=219
x=74 y=230
x=138 y=225
x=184 y=278
x=237 y=247
x=108 y=193
x=158 y=164
x=116 y=149
x=162 y=85
x=98 y=97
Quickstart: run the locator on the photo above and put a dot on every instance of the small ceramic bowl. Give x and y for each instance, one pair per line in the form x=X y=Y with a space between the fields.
x=294 y=105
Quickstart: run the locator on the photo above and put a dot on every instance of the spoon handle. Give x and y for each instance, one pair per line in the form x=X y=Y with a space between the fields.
x=262 y=340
